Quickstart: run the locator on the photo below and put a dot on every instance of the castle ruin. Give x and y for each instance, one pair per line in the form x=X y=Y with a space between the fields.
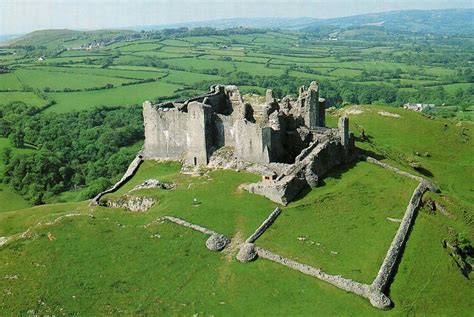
x=288 y=131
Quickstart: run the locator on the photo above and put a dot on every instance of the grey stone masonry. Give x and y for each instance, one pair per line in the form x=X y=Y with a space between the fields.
x=216 y=241
x=377 y=298
x=192 y=130
x=344 y=131
x=388 y=267
x=264 y=226
x=131 y=170
x=184 y=223
x=432 y=187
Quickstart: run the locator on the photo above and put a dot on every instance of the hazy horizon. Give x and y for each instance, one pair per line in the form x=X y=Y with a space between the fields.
x=19 y=17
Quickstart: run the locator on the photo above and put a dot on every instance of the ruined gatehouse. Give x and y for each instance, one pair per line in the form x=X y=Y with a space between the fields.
x=288 y=131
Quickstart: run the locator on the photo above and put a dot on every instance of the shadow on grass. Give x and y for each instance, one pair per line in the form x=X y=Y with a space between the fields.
x=423 y=171
x=336 y=173
x=376 y=156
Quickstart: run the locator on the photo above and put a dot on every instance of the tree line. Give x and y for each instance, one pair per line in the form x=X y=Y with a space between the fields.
x=86 y=149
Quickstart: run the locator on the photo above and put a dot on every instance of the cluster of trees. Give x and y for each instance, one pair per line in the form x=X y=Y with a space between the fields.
x=199 y=31
x=74 y=150
x=340 y=92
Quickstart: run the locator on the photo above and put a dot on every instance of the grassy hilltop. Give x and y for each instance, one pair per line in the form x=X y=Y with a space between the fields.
x=71 y=122
x=102 y=261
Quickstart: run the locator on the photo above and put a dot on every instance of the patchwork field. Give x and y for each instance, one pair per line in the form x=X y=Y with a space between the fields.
x=263 y=59
x=114 y=262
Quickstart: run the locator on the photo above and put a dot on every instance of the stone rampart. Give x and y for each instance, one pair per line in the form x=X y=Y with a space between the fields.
x=432 y=187
x=377 y=298
x=264 y=226
x=131 y=170
x=388 y=267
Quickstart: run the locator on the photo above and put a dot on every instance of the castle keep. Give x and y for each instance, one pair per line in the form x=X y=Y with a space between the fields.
x=290 y=131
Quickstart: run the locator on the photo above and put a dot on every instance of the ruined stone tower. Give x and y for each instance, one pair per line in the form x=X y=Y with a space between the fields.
x=313 y=106
x=285 y=131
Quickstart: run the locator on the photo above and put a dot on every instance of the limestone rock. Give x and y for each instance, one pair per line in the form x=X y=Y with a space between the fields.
x=217 y=242
x=131 y=203
x=311 y=178
x=154 y=183
x=247 y=253
x=3 y=240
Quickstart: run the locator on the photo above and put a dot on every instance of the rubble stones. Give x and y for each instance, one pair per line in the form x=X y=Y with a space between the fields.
x=154 y=183
x=131 y=203
x=247 y=253
x=217 y=242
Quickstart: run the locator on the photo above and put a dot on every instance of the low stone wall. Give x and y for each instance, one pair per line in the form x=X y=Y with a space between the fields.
x=184 y=223
x=264 y=226
x=432 y=187
x=377 y=298
x=388 y=267
x=216 y=241
x=389 y=167
x=131 y=170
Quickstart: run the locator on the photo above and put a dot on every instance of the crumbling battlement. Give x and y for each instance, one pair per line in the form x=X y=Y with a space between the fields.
x=288 y=131
x=193 y=129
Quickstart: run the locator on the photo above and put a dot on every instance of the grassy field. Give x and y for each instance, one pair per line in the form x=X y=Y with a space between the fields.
x=112 y=262
x=27 y=97
x=347 y=215
x=191 y=60
x=118 y=96
x=342 y=238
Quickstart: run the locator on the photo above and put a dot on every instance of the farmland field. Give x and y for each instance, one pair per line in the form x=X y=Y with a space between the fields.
x=71 y=121
x=255 y=59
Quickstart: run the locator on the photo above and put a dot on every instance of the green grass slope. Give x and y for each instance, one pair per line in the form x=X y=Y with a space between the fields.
x=109 y=261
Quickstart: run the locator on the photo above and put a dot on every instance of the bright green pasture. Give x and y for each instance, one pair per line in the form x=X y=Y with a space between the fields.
x=343 y=223
x=198 y=64
x=188 y=78
x=258 y=69
x=27 y=97
x=399 y=139
x=119 y=96
x=240 y=212
x=128 y=74
x=8 y=81
x=40 y=79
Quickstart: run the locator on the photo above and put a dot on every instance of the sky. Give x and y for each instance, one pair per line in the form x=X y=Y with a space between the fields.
x=22 y=16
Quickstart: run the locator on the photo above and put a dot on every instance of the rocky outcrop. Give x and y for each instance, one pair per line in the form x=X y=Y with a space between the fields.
x=131 y=203
x=154 y=183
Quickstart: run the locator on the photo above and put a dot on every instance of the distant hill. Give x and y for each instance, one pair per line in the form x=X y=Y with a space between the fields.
x=68 y=38
x=437 y=22
x=385 y=24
